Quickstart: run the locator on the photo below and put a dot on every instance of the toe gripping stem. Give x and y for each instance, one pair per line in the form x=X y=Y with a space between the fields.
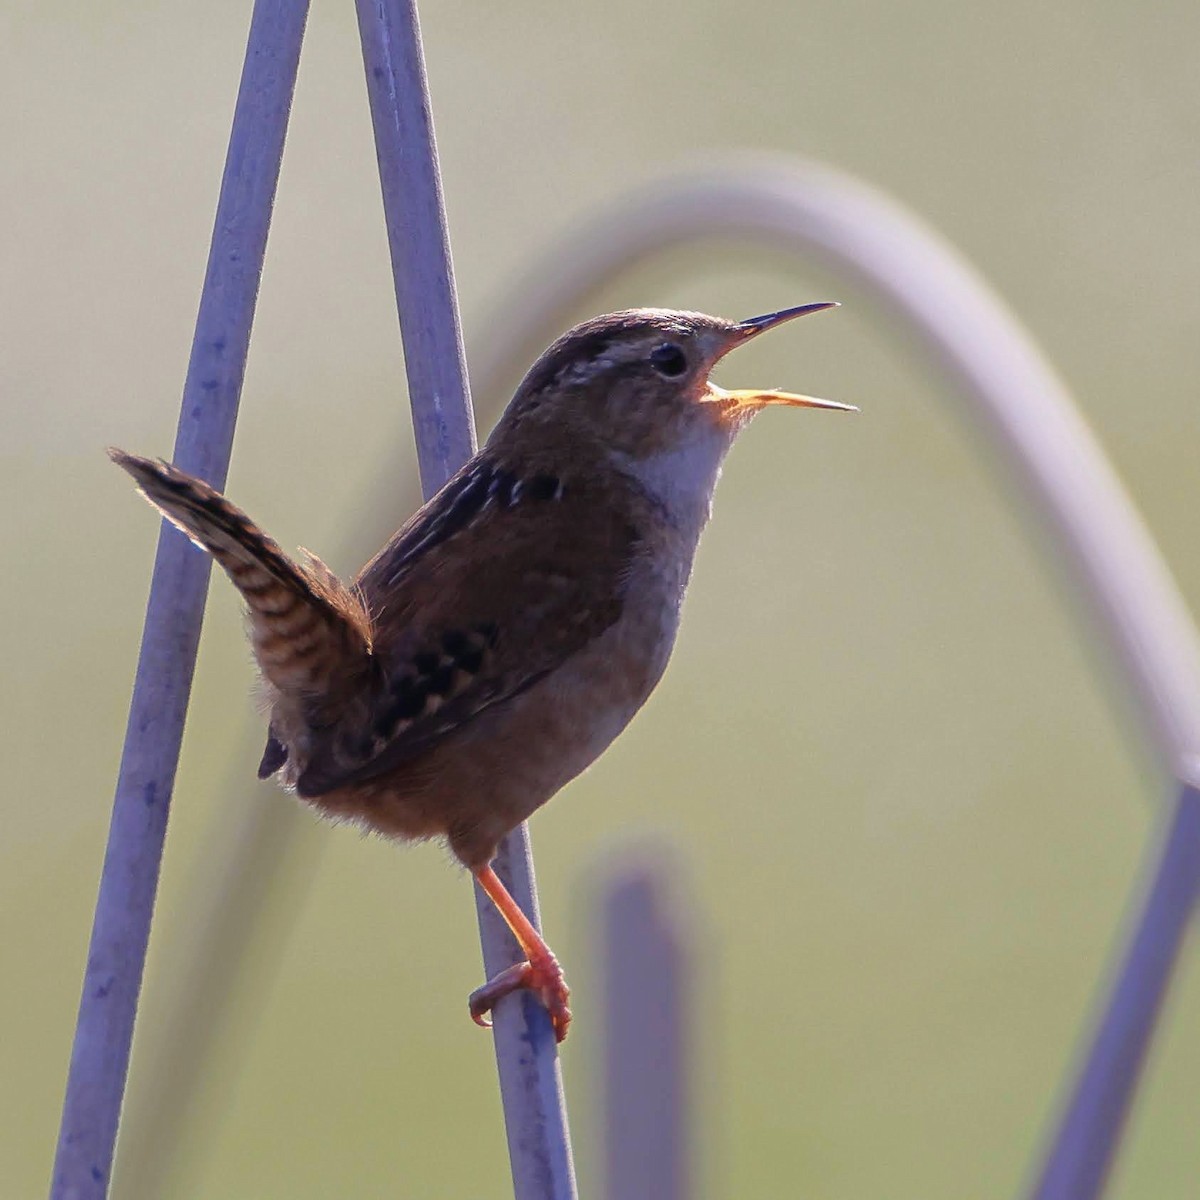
x=540 y=973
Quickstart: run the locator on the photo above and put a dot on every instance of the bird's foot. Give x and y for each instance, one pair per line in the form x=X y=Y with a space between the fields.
x=542 y=976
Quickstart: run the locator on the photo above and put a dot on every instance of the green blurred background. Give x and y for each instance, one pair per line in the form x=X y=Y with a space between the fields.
x=910 y=810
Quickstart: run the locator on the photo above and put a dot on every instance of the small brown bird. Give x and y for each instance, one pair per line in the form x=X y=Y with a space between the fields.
x=510 y=630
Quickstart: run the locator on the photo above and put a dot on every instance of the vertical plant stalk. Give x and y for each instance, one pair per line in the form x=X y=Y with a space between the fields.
x=646 y=1044
x=526 y=1056
x=242 y=895
x=129 y=878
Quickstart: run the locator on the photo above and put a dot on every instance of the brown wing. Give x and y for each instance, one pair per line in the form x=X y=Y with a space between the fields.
x=494 y=584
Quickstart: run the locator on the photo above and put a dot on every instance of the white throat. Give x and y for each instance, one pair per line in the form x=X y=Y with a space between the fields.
x=682 y=478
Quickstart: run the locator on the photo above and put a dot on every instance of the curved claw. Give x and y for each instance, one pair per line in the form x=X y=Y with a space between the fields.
x=544 y=977
x=483 y=999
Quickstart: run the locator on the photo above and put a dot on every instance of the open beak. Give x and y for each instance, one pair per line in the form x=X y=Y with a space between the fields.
x=748 y=400
x=756 y=325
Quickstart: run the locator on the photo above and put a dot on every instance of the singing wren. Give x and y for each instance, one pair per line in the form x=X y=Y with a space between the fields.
x=511 y=629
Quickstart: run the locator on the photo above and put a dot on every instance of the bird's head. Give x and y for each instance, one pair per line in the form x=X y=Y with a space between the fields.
x=637 y=383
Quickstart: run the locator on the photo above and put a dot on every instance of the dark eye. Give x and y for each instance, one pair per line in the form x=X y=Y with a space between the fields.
x=668 y=360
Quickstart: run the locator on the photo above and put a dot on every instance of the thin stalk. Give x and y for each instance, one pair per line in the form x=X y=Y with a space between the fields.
x=1080 y=1158
x=129 y=878
x=648 y=1048
x=241 y=900
x=530 y=1081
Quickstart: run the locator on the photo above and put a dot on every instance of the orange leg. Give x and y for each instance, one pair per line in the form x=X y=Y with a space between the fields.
x=540 y=973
